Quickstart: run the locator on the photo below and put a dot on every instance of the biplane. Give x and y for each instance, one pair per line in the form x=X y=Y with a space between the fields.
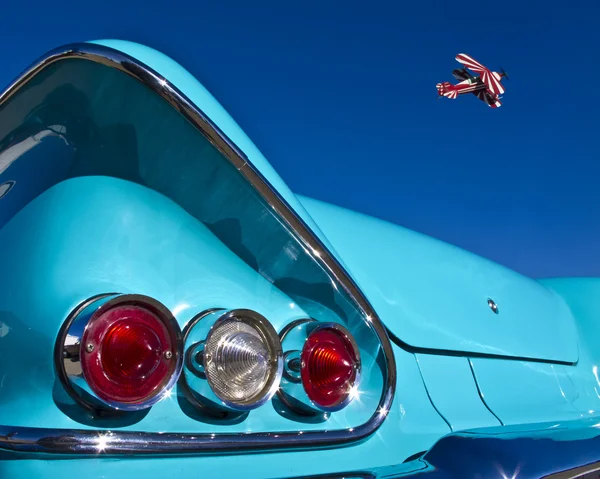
x=486 y=85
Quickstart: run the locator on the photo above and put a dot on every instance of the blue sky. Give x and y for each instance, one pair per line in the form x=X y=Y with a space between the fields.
x=340 y=96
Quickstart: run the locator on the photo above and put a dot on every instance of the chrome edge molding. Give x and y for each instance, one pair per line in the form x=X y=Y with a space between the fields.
x=92 y=442
x=69 y=342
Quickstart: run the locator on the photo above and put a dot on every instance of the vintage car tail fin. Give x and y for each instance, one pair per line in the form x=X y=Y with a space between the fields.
x=135 y=222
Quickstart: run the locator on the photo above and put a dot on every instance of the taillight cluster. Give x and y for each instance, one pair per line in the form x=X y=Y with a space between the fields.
x=125 y=352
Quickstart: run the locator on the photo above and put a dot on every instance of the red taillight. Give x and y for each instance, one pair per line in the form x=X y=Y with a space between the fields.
x=128 y=354
x=329 y=369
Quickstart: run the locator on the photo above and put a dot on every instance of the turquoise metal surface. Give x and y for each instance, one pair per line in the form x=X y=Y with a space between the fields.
x=434 y=295
x=521 y=392
x=452 y=390
x=582 y=294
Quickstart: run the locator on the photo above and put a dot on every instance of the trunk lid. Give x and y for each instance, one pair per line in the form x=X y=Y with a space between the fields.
x=432 y=295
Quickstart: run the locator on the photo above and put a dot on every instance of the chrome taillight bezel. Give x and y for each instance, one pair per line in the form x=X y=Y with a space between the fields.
x=292 y=391
x=69 y=350
x=199 y=385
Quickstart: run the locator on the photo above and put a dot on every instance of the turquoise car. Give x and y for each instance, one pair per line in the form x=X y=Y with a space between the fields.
x=168 y=307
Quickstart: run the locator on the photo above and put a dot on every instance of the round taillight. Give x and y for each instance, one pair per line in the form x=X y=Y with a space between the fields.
x=329 y=367
x=242 y=359
x=130 y=352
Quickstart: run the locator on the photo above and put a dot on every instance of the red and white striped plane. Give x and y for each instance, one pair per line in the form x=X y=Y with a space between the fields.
x=486 y=86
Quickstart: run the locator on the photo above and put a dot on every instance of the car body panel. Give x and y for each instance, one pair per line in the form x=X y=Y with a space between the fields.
x=521 y=392
x=581 y=295
x=453 y=391
x=527 y=392
x=433 y=295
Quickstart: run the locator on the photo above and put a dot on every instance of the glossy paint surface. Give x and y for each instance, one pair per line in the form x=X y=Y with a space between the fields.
x=581 y=295
x=454 y=393
x=525 y=392
x=521 y=392
x=434 y=295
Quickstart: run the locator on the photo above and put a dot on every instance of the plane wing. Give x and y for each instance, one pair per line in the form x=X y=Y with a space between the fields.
x=490 y=78
x=485 y=96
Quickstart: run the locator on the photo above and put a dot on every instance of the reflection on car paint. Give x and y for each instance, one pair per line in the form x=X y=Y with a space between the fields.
x=5 y=188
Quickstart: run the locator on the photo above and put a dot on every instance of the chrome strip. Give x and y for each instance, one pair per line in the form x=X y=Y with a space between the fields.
x=68 y=441
x=578 y=472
